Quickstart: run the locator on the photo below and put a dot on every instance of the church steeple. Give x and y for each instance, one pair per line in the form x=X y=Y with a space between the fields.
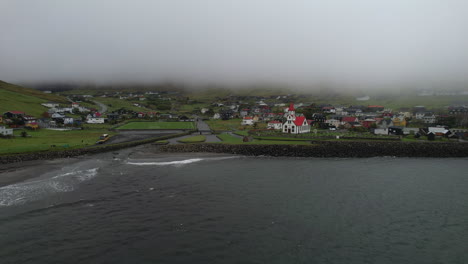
x=291 y=110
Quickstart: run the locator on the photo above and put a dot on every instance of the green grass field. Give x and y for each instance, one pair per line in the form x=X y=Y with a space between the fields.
x=13 y=97
x=42 y=140
x=116 y=103
x=230 y=139
x=194 y=139
x=158 y=125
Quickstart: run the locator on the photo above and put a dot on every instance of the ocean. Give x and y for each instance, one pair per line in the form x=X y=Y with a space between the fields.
x=207 y=208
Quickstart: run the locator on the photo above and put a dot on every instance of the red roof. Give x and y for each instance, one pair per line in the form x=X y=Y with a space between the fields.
x=379 y=106
x=247 y=117
x=291 y=107
x=349 y=119
x=299 y=120
x=16 y=112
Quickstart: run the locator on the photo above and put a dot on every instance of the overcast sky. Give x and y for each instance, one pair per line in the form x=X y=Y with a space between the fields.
x=372 y=43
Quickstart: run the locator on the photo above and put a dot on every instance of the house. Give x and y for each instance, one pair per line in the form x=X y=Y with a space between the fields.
x=29 y=119
x=57 y=116
x=50 y=104
x=275 y=124
x=295 y=124
x=395 y=130
x=386 y=123
x=68 y=120
x=247 y=121
x=367 y=123
x=399 y=121
x=329 y=109
x=6 y=131
x=14 y=114
x=380 y=131
x=95 y=120
x=348 y=119
x=333 y=122
x=439 y=131
x=244 y=112
x=429 y=118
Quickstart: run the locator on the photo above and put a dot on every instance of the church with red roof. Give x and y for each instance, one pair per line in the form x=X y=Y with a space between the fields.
x=295 y=124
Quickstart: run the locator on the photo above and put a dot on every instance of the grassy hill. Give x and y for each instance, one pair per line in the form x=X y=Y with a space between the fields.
x=14 y=97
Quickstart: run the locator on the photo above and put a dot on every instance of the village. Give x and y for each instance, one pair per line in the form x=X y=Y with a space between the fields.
x=265 y=115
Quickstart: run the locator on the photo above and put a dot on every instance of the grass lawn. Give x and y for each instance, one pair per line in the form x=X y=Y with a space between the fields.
x=43 y=139
x=194 y=139
x=218 y=124
x=230 y=139
x=13 y=97
x=158 y=125
x=116 y=103
x=227 y=138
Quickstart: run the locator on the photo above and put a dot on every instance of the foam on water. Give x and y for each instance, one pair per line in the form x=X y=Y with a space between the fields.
x=165 y=163
x=21 y=193
x=176 y=162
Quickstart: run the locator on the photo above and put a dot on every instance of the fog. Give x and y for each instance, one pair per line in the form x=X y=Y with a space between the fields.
x=358 y=43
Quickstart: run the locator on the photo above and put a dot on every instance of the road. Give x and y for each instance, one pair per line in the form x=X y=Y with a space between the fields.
x=102 y=106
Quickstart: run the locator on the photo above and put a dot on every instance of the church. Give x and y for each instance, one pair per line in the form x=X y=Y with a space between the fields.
x=295 y=124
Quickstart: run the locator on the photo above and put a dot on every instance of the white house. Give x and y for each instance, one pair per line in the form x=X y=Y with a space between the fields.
x=295 y=124
x=248 y=120
x=381 y=131
x=429 y=118
x=275 y=125
x=57 y=115
x=6 y=131
x=50 y=104
x=95 y=120
x=333 y=122
x=68 y=120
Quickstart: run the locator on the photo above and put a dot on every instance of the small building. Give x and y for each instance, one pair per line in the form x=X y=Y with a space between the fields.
x=14 y=114
x=275 y=124
x=95 y=120
x=50 y=104
x=6 y=131
x=248 y=120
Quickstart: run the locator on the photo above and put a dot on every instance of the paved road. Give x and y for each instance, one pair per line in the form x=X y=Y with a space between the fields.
x=203 y=127
x=102 y=106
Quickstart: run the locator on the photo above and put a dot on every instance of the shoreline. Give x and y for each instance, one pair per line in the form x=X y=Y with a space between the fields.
x=330 y=149
x=350 y=149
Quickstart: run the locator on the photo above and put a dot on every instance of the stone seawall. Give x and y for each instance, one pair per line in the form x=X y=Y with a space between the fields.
x=331 y=149
x=46 y=155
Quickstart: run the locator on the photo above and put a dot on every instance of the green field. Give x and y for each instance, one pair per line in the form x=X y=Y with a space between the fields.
x=158 y=125
x=17 y=98
x=116 y=103
x=230 y=139
x=194 y=139
x=44 y=139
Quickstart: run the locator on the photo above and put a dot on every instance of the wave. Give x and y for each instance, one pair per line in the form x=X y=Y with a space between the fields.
x=21 y=193
x=177 y=162
x=165 y=163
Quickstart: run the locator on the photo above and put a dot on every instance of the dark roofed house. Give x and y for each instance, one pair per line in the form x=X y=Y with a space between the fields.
x=14 y=114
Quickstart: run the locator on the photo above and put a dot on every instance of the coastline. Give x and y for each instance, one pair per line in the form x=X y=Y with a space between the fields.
x=352 y=149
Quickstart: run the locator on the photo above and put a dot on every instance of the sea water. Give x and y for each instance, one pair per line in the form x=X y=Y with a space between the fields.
x=235 y=209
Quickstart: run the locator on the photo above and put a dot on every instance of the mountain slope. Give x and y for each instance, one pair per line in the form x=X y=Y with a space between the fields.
x=14 y=97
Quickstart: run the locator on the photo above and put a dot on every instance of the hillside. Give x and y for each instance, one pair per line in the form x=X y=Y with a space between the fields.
x=14 y=97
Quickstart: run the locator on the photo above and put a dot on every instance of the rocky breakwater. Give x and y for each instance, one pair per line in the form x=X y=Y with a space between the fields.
x=331 y=149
